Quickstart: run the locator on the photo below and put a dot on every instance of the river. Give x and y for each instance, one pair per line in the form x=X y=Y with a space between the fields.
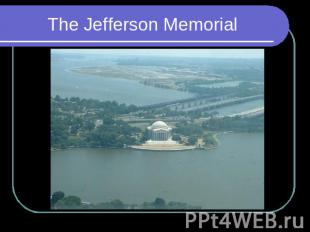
x=66 y=83
x=228 y=177
x=238 y=108
x=70 y=84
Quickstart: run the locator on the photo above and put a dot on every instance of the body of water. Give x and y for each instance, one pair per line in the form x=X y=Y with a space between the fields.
x=227 y=84
x=222 y=84
x=238 y=108
x=69 y=84
x=228 y=177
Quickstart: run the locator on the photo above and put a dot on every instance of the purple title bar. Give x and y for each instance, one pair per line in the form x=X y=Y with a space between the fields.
x=70 y=26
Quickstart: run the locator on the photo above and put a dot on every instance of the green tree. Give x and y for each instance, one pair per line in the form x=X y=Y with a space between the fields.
x=144 y=136
x=117 y=204
x=159 y=203
x=69 y=202
x=209 y=140
x=176 y=137
x=192 y=140
x=56 y=196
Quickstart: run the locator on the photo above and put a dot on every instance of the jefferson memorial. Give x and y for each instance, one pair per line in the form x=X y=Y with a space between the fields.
x=159 y=131
x=160 y=139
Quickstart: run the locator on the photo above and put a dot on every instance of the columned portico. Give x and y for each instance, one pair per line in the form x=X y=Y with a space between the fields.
x=159 y=131
x=160 y=139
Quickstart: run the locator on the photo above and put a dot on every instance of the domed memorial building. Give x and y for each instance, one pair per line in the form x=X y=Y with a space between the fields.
x=160 y=139
x=159 y=131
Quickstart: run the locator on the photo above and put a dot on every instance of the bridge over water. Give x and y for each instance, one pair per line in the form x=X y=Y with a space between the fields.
x=201 y=102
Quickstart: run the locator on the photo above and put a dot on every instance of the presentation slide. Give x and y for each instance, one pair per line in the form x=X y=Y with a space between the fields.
x=153 y=116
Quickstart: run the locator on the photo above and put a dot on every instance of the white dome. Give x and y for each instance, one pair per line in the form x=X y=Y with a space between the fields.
x=159 y=125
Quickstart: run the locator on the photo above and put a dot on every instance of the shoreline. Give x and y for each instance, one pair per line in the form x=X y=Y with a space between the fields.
x=129 y=146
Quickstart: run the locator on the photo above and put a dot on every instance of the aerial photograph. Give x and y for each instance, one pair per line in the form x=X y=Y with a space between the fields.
x=157 y=129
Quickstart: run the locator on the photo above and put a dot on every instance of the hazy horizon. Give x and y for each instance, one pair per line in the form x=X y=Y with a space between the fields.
x=199 y=53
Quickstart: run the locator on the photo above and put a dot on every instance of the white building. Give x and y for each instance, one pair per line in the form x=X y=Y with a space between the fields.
x=160 y=139
x=159 y=131
x=98 y=122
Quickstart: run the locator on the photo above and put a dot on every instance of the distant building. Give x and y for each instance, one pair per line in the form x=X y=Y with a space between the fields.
x=159 y=131
x=160 y=139
x=98 y=122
